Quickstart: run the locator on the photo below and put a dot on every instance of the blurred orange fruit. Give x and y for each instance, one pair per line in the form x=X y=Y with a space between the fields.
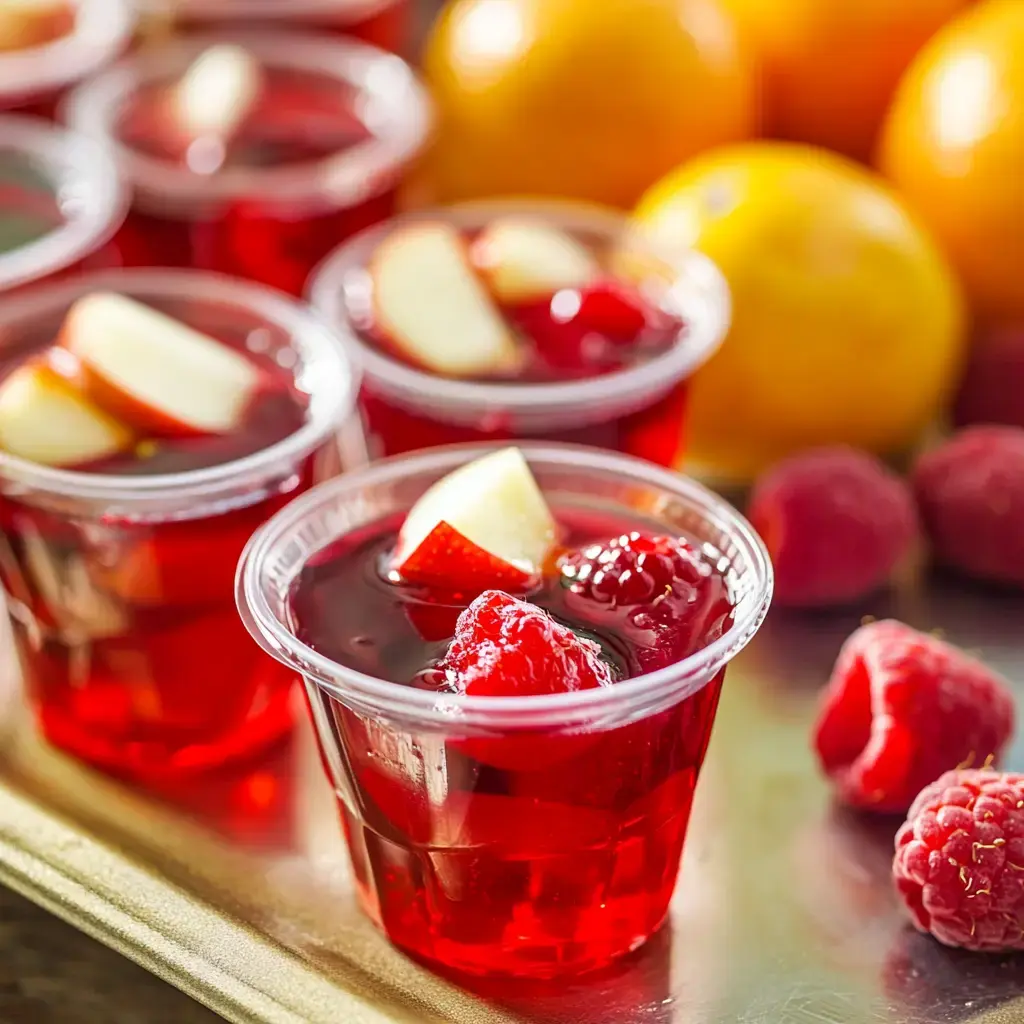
x=847 y=322
x=593 y=99
x=830 y=67
x=954 y=146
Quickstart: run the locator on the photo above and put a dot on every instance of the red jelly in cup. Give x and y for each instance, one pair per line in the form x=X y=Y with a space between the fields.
x=51 y=45
x=254 y=155
x=513 y=666
x=149 y=422
x=60 y=201
x=522 y=320
x=383 y=23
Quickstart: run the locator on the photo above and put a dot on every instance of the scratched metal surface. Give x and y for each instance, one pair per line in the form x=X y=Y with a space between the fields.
x=784 y=914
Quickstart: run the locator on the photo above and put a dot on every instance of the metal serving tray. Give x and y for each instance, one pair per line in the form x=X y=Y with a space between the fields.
x=784 y=914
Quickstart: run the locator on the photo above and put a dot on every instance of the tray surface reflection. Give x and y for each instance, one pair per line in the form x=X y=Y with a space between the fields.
x=239 y=893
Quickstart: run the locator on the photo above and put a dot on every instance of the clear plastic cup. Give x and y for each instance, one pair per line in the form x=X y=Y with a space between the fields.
x=269 y=223
x=61 y=201
x=639 y=410
x=383 y=23
x=34 y=79
x=120 y=587
x=530 y=836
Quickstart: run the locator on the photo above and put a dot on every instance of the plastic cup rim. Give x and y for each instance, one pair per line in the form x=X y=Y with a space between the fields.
x=87 y=167
x=276 y=307
x=337 y=181
x=692 y=349
x=384 y=697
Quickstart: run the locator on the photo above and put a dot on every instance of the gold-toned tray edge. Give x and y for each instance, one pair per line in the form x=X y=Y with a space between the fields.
x=57 y=886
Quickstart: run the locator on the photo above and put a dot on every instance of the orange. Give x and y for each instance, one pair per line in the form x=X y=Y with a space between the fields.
x=831 y=66
x=847 y=321
x=954 y=146
x=592 y=99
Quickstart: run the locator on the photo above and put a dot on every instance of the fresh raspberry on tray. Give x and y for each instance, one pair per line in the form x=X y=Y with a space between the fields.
x=903 y=707
x=959 y=864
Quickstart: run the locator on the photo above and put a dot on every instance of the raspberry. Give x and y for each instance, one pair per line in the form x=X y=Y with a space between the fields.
x=591 y=330
x=505 y=647
x=901 y=708
x=971 y=495
x=836 y=523
x=668 y=599
x=994 y=380
x=632 y=570
x=959 y=864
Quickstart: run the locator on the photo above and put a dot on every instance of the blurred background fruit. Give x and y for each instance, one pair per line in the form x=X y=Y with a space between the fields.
x=594 y=99
x=992 y=389
x=847 y=322
x=954 y=146
x=830 y=67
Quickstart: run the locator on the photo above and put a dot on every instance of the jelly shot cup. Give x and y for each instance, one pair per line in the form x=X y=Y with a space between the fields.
x=254 y=154
x=61 y=201
x=51 y=47
x=522 y=320
x=517 y=826
x=119 y=572
x=383 y=23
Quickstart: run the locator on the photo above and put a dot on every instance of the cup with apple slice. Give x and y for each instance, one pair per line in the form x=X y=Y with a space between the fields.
x=508 y=786
x=149 y=422
x=253 y=153
x=517 y=320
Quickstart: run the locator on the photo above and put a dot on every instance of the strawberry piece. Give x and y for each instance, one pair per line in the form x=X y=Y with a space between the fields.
x=902 y=707
x=504 y=647
x=449 y=561
x=959 y=864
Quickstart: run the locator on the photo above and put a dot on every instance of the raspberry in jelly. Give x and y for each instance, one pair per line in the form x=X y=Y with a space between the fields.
x=518 y=321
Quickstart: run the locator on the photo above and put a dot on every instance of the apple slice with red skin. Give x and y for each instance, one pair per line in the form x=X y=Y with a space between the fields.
x=447 y=560
x=44 y=419
x=154 y=372
x=25 y=23
x=429 y=305
x=525 y=260
x=484 y=526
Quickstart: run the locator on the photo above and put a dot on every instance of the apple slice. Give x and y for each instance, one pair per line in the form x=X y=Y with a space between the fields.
x=25 y=23
x=525 y=260
x=428 y=303
x=43 y=419
x=217 y=92
x=154 y=372
x=486 y=525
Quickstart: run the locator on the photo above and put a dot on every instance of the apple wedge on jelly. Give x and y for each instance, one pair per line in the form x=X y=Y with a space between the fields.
x=217 y=93
x=484 y=526
x=429 y=305
x=26 y=23
x=154 y=372
x=524 y=260
x=44 y=419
